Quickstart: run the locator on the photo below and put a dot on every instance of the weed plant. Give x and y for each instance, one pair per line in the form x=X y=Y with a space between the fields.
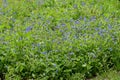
x=58 y=39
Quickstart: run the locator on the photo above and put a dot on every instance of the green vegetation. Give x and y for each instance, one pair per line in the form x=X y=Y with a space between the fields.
x=58 y=39
x=110 y=75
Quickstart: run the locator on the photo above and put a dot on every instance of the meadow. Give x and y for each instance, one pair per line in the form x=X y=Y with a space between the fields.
x=59 y=39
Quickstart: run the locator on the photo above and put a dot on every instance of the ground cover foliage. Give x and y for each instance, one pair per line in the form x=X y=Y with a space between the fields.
x=58 y=39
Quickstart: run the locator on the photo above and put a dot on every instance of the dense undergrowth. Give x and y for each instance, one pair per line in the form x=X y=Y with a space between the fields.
x=58 y=39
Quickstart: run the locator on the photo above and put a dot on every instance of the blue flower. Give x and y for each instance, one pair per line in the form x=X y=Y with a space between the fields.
x=5 y=3
x=83 y=3
x=45 y=52
x=56 y=71
x=71 y=53
x=92 y=18
x=96 y=29
x=85 y=19
x=63 y=25
x=75 y=37
x=80 y=18
x=29 y=28
x=77 y=22
x=106 y=19
x=75 y=6
x=58 y=26
x=100 y=33
x=110 y=49
x=73 y=27
x=54 y=65
x=109 y=26
x=101 y=7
